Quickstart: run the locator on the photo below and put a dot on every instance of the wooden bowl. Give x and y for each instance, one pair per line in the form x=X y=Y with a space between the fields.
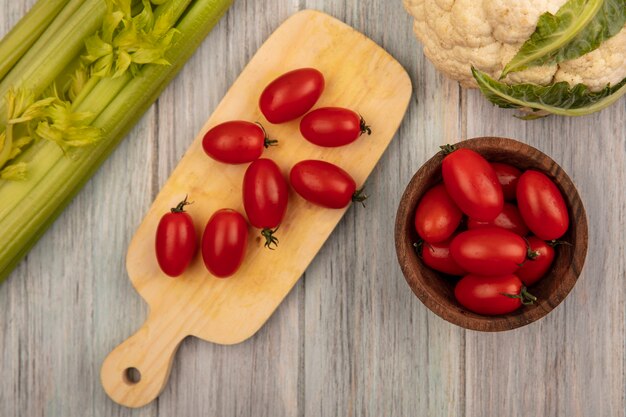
x=436 y=290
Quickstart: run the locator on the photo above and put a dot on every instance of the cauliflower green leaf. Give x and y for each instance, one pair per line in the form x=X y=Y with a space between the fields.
x=578 y=27
x=607 y=23
x=557 y=98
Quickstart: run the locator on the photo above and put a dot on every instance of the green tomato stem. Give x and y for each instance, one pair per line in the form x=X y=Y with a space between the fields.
x=447 y=149
x=270 y=239
x=359 y=196
x=365 y=128
x=180 y=208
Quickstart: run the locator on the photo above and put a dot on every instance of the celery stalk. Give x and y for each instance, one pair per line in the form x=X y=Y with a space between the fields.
x=59 y=21
x=102 y=94
x=97 y=94
x=174 y=7
x=41 y=159
x=39 y=68
x=26 y=32
x=20 y=230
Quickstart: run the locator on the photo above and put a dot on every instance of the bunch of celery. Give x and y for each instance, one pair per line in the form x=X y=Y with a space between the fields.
x=75 y=76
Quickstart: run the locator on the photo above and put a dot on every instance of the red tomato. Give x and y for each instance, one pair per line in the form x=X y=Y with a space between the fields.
x=492 y=295
x=236 y=142
x=224 y=242
x=508 y=176
x=542 y=206
x=538 y=263
x=291 y=95
x=491 y=251
x=324 y=184
x=473 y=185
x=437 y=256
x=436 y=216
x=176 y=240
x=509 y=219
x=265 y=197
x=333 y=126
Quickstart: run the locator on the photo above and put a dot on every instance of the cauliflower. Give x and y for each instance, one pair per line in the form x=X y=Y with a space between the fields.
x=488 y=33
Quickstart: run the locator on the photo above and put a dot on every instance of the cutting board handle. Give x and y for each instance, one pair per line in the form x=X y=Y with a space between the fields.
x=136 y=371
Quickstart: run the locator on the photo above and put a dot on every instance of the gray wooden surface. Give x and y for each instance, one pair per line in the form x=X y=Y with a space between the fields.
x=350 y=339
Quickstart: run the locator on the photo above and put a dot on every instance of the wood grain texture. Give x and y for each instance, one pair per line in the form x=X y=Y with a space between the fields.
x=437 y=290
x=350 y=339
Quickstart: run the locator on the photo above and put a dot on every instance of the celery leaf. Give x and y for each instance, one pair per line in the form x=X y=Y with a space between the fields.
x=14 y=172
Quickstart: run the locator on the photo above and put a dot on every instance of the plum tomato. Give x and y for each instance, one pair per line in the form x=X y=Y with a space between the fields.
x=333 y=126
x=493 y=295
x=224 y=242
x=490 y=251
x=472 y=183
x=508 y=176
x=540 y=258
x=437 y=216
x=291 y=95
x=324 y=184
x=265 y=197
x=176 y=241
x=437 y=256
x=542 y=206
x=236 y=142
x=509 y=219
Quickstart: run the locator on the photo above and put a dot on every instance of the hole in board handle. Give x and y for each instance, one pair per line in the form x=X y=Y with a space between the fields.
x=132 y=375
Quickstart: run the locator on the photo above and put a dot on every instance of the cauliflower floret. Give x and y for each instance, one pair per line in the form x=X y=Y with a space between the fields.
x=488 y=33
x=605 y=65
x=514 y=21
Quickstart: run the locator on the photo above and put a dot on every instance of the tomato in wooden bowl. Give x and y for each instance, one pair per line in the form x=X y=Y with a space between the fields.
x=437 y=290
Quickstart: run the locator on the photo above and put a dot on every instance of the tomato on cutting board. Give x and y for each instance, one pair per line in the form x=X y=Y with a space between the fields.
x=291 y=95
x=224 y=242
x=472 y=183
x=236 y=142
x=542 y=206
x=176 y=241
x=508 y=176
x=437 y=216
x=493 y=295
x=437 y=256
x=265 y=197
x=324 y=184
x=333 y=126
x=490 y=251
x=509 y=219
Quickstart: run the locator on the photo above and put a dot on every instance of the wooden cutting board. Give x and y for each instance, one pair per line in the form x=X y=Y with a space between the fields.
x=359 y=75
